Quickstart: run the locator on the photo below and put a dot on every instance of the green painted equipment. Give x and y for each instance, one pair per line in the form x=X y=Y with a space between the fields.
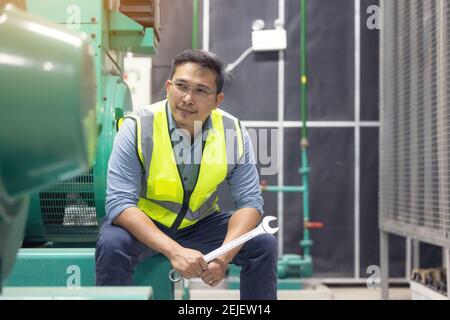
x=72 y=211
x=75 y=268
x=37 y=151
x=88 y=293
x=68 y=214
x=35 y=91
x=292 y=265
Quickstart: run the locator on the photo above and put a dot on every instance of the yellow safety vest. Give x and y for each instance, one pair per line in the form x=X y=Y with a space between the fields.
x=163 y=197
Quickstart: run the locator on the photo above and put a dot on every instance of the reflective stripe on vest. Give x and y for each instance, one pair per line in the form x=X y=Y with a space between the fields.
x=162 y=192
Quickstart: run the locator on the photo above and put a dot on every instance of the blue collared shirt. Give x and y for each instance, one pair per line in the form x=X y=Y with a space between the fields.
x=125 y=174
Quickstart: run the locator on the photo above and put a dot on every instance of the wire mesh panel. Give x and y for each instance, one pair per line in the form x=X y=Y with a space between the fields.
x=70 y=207
x=415 y=119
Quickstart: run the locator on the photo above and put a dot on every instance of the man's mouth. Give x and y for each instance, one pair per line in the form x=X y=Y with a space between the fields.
x=186 y=111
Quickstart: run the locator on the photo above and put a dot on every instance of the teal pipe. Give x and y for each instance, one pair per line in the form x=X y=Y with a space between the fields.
x=306 y=243
x=283 y=189
x=194 y=24
x=303 y=67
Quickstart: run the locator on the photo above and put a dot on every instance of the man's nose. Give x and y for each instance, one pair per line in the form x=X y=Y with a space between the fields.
x=188 y=97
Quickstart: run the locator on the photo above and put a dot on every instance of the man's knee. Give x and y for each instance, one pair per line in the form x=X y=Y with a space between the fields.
x=266 y=244
x=113 y=239
x=116 y=255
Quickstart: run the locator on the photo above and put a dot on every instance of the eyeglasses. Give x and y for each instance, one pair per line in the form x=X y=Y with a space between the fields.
x=198 y=92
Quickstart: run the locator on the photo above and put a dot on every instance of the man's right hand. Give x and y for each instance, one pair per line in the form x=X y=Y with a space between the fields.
x=188 y=262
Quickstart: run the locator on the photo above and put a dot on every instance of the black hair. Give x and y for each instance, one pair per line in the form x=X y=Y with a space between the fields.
x=205 y=59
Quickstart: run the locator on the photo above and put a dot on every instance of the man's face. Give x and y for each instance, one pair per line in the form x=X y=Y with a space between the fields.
x=192 y=94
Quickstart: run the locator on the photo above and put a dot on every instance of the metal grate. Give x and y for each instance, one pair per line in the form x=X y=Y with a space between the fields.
x=415 y=119
x=69 y=207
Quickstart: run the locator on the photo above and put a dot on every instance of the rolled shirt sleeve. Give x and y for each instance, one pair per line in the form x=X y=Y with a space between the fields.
x=124 y=172
x=243 y=181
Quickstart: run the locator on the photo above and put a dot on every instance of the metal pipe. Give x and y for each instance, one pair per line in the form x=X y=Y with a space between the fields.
x=357 y=106
x=447 y=262
x=306 y=238
x=205 y=28
x=408 y=263
x=303 y=67
x=282 y=189
x=194 y=24
x=280 y=177
x=305 y=243
x=415 y=253
x=309 y=124
x=384 y=263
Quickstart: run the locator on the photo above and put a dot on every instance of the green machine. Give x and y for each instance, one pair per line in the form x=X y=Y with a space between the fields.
x=64 y=219
x=72 y=211
x=37 y=151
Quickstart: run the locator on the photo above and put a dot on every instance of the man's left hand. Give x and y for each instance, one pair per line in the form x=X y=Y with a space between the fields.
x=215 y=273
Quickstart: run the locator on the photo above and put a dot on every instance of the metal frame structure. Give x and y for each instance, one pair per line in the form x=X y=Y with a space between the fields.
x=281 y=124
x=414 y=153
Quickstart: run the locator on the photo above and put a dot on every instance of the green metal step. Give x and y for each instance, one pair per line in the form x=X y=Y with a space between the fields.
x=75 y=268
x=88 y=293
x=282 y=284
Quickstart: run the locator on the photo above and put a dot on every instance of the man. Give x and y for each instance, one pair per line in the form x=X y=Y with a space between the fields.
x=164 y=170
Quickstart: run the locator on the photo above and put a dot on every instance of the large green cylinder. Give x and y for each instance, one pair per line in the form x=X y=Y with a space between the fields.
x=72 y=210
x=47 y=90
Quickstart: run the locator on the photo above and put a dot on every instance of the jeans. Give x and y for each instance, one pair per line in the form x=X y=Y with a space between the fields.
x=118 y=252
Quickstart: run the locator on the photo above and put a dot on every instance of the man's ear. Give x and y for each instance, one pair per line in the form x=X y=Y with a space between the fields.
x=219 y=99
x=167 y=87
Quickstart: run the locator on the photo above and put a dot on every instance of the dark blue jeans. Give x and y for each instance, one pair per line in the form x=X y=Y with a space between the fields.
x=118 y=252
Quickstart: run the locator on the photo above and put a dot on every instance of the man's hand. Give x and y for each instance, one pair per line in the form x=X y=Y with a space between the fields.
x=215 y=273
x=188 y=262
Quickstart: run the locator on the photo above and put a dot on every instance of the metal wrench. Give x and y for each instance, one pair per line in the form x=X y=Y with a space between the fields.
x=262 y=228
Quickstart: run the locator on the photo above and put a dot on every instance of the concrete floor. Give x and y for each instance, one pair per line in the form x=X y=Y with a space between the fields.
x=200 y=291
